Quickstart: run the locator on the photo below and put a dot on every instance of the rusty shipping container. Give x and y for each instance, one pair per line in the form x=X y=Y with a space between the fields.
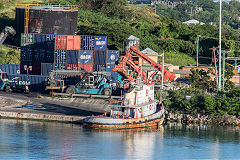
x=73 y=42
x=80 y=67
x=60 y=42
x=47 y=20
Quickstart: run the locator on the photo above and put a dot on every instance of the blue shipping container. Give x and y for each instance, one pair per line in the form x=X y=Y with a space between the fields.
x=40 y=38
x=86 y=57
x=112 y=56
x=35 y=82
x=72 y=56
x=79 y=57
x=60 y=56
x=100 y=68
x=46 y=68
x=10 y=68
x=109 y=67
x=100 y=42
x=27 y=53
x=44 y=48
x=87 y=42
x=39 y=53
x=100 y=57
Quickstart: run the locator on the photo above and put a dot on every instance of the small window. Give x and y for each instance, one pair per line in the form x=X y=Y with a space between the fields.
x=91 y=80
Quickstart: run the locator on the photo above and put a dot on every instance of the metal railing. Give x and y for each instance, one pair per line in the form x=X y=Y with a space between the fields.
x=47 y=5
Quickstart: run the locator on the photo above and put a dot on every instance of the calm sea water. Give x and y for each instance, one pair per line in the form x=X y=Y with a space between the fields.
x=20 y=139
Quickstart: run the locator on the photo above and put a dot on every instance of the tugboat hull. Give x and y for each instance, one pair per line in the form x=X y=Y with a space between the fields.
x=112 y=123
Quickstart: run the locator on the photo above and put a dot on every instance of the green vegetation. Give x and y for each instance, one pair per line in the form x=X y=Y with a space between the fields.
x=9 y=56
x=204 y=103
x=202 y=96
x=118 y=20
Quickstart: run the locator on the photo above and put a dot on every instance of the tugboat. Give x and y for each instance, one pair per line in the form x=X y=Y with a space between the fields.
x=137 y=109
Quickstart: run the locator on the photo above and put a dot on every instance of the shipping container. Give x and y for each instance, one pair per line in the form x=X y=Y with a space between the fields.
x=86 y=57
x=35 y=82
x=44 y=48
x=60 y=42
x=73 y=42
x=39 y=53
x=73 y=56
x=80 y=57
x=46 y=68
x=27 y=39
x=58 y=66
x=27 y=53
x=99 y=67
x=109 y=67
x=100 y=42
x=87 y=42
x=100 y=57
x=10 y=68
x=60 y=56
x=80 y=67
x=26 y=66
x=112 y=56
x=36 y=68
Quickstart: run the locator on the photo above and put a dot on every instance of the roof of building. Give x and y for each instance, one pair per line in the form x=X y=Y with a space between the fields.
x=193 y=21
x=149 y=51
x=133 y=38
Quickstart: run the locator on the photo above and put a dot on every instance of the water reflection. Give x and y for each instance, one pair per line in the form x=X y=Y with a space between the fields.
x=21 y=139
x=138 y=143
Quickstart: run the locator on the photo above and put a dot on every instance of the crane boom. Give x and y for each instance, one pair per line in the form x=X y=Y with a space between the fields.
x=127 y=60
x=167 y=75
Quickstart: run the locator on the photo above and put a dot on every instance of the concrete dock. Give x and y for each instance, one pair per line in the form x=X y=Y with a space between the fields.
x=69 y=110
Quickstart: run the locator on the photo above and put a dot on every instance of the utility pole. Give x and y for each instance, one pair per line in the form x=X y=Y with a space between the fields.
x=215 y=64
x=162 y=69
x=220 y=39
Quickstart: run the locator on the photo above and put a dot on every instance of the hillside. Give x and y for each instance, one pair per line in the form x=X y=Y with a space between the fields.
x=118 y=20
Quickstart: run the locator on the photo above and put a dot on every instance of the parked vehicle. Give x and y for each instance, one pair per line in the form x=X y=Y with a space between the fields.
x=10 y=85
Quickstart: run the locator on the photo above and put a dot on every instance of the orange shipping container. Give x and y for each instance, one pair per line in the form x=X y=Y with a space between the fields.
x=60 y=42
x=73 y=42
x=80 y=67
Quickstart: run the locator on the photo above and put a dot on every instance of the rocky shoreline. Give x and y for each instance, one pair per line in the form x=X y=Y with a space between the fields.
x=224 y=120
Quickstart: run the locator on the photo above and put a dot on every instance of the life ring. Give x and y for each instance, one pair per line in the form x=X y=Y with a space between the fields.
x=140 y=110
x=147 y=91
x=150 y=107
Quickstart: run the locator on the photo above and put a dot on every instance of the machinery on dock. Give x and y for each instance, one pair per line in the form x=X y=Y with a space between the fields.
x=80 y=82
x=10 y=85
x=127 y=63
x=6 y=31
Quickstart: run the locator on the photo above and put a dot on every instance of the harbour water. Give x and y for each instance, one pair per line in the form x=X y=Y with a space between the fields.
x=21 y=139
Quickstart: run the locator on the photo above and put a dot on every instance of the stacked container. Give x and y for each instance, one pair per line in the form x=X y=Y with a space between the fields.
x=27 y=41
x=100 y=53
x=46 y=52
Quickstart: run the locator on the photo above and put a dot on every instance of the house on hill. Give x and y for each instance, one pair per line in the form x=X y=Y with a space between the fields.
x=193 y=22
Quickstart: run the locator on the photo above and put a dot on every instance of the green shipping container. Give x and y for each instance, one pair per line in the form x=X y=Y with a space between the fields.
x=27 y=39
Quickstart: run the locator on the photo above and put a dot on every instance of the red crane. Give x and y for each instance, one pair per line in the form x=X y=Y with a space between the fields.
x=127 y=61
